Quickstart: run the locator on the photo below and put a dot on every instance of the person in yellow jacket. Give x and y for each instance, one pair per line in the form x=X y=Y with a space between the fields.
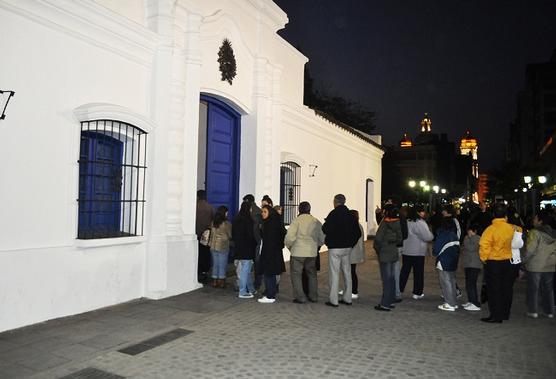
x=495 y=251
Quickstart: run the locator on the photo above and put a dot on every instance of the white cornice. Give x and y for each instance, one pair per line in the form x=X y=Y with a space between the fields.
x=92 y=23
x=272 y=14
x=103 y=111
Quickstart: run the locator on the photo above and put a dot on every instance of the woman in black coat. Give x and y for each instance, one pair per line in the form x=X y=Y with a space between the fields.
x=245 y=243
x=272 y=260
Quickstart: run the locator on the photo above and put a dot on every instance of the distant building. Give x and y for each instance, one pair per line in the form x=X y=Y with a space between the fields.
x=432 y=158
x=531 y=144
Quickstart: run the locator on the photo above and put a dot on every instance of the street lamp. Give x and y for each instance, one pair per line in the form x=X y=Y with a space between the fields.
x=427 y=188
x=436 y=188
x=542 y=179
x=524 y=189
x=443 y=190
x=527 y=179
x=412 y=183
x=422 y=183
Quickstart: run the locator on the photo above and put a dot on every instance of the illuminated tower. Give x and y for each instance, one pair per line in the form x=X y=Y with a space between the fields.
x=469 y=146
x=405 y=141
x=426 y=124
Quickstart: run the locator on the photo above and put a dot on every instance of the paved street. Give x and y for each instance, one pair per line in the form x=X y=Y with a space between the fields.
x=220 y=335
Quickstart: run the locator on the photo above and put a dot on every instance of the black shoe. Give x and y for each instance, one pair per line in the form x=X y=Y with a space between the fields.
x=490 y=320
x=392 y=306
x=398 y=300
x=381 y=308
x=331 y=305
x=312 y=301
x=344 y=302
x=298 y=301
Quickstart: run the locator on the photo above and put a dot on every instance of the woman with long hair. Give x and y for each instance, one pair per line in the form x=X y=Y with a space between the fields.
x=244 y=239
x=415 y=247
x=220 y=235
x=271 y=261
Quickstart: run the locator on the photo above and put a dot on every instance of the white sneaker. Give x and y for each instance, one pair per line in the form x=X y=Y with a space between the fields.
x=246 y=296
x=532 y=315
x=354 y=296
x=418 y=297
x=466 y=305
x=471 y=307
x=447 y=307
x=266 y=300
x=340 y=292
x=550 y=315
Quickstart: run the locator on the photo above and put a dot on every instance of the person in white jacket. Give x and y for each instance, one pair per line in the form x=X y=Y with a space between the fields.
x=415 y=248
x=303 y=239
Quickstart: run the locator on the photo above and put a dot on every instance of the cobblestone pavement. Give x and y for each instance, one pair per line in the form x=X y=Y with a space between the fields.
x=237 y=338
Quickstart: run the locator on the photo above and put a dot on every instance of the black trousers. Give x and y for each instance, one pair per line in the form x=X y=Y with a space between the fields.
x=417 y=263
x=471 y=276
x=354 y=280
x=203 y=263
x=500 y=277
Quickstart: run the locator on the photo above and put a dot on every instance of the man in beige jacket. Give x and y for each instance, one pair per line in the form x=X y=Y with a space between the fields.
x=303 y=239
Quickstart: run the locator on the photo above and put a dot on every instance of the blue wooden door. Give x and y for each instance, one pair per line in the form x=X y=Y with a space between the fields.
x=222 y=172
x=100 y=186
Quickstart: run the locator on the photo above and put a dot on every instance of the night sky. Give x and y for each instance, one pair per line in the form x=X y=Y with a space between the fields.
x=463 y=61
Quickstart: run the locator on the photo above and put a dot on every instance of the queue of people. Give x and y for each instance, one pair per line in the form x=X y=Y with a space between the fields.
x=489 y=242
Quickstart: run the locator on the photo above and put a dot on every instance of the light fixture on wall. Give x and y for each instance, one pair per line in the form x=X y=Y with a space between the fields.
x=5 y=97
x=313 y=168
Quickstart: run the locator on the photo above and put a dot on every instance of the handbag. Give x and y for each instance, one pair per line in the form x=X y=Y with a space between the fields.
x=205 y=237
x=517 y=243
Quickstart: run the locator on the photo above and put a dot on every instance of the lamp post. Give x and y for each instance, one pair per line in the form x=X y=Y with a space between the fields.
x=532 y=183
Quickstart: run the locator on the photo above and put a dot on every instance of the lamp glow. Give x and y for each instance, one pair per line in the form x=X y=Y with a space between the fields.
x=427 y=187
x=524 y=189
x=542 y=179
x=443 y=190
x=436 y=188
x=412 y=183
x=527 y=179
x=422 y=183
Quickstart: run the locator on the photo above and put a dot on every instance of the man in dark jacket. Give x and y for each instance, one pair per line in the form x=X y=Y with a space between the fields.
x=342 y=232
x=203 y=219
x=257 y=220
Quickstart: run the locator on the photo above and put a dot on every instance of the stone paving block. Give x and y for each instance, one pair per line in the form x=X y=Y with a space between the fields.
x=13 y=370
x=76 y=352
x=235 y=338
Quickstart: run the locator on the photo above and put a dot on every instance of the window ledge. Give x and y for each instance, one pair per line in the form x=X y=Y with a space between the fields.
x=100 y=242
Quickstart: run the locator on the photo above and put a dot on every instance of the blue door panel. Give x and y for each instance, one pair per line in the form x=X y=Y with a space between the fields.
x=222 y=171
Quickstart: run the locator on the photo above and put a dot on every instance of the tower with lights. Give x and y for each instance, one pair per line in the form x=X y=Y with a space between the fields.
x=469 y=146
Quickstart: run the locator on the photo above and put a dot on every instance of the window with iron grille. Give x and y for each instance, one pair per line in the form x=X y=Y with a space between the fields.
x=290 y=186
x=112 y=168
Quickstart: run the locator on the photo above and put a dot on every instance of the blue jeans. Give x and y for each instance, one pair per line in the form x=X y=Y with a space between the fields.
x=245 y=278
x=219 y=264
x=540 y=282
x=388 y=275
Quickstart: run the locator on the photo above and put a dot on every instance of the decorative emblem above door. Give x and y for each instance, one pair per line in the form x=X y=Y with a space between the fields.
x=227 y=61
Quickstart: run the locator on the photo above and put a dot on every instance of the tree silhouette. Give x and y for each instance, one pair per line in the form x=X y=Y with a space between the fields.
x=337 y=108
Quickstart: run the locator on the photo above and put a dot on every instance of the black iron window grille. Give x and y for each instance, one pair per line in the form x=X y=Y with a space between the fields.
x=290 y=187
x=112 y=170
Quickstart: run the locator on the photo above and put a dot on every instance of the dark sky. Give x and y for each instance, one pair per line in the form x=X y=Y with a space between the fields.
x=463 y=61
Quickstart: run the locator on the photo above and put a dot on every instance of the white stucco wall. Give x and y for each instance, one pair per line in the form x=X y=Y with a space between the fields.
x=344 y=161
x=54 y=68
x=149 y=61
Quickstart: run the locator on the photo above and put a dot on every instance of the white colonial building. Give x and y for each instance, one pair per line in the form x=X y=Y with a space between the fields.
x=123 y=109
